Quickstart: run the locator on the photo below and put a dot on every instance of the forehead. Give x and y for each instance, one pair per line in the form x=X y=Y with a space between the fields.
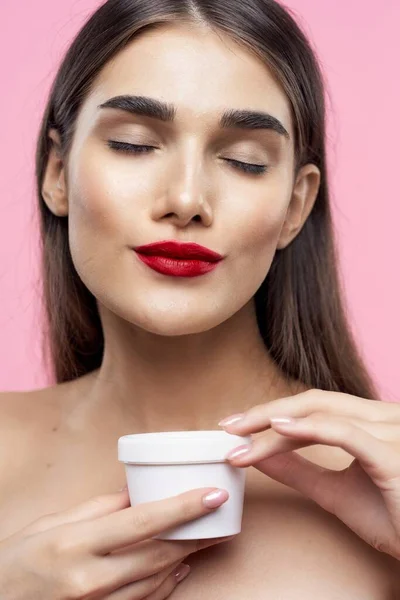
x=202 y=73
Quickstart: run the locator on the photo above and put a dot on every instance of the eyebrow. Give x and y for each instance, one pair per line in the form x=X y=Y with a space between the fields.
x=231 y=118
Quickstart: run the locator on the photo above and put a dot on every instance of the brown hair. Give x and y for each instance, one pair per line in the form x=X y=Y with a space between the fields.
x=299 y=306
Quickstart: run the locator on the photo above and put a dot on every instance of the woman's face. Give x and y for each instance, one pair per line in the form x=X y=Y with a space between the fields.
x=188 y=187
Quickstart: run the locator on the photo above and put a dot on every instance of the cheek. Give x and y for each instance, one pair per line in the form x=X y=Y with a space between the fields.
x=256 y=226
x=105 y=204
x=93 y=202
x=264 y=229
x=258 y=223
x=99 y=218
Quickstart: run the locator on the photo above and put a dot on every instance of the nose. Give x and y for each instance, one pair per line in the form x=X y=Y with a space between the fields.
x=186 y=193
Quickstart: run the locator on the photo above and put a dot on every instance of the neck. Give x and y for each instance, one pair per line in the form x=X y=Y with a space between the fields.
x=150 y=382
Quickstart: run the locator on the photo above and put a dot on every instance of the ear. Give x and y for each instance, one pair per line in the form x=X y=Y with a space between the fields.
x=54 y=189
x=304 y=194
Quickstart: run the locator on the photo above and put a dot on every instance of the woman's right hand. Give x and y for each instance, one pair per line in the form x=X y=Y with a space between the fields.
x=102 y=549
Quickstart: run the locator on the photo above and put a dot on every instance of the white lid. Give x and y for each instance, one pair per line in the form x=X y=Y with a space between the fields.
x=165 y=447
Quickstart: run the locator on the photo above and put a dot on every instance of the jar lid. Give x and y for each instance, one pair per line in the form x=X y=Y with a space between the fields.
x=177 y=447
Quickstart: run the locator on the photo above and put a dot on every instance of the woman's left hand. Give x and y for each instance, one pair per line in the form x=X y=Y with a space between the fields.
x=365 y=495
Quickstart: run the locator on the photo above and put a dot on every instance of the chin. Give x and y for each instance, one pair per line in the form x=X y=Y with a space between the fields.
x=180 y=326
x=185 y=317
x=171 y=318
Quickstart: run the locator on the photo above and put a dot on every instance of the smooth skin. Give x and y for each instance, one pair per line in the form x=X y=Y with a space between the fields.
x=189 y=348
x=102 y=548
x=365 y=496
x=179 y=354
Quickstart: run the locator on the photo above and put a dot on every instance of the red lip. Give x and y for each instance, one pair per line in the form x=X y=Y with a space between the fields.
x=178 y=259
x=175 y=249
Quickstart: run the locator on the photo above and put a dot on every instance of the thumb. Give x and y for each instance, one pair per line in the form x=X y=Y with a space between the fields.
x=299 y=473
x=97 y=506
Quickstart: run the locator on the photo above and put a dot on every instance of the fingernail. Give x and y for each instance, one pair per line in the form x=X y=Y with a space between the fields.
x=215 y=499
x=182 y=571
x=238 y=451
x=123 y=489
x=232 y=419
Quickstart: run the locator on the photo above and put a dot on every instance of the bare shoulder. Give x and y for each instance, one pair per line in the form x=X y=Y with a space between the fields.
x=25 y=416
x=22 y=411
x=33 y=412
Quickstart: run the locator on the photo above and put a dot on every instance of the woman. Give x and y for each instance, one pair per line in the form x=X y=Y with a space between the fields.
x=190 y=273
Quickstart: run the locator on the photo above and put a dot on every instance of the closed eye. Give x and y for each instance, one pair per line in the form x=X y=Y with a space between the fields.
x=142 y=149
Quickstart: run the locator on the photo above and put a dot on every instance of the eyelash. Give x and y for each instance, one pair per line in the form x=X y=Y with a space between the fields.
x=140 y=149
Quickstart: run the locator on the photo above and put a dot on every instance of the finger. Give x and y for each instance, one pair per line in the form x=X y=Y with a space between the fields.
x=188 y=546
x=136 y=566
x=258 y=417
x=168 y=586
x=96 y=507
x=147 y=558
x=379 y=459
x=144 y=562
x=92 y=508
x=338 y=492
x=163 y=582
x=273 y=441
x=143 y=521
x=313 y=481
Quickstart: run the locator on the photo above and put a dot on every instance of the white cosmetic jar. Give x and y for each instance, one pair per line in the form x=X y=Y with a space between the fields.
x=166 y=463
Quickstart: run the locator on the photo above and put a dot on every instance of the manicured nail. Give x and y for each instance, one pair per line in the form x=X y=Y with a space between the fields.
x=238 y=451
x=232 y=419
x=215 y=498
x=182 y=571
x=283 y=421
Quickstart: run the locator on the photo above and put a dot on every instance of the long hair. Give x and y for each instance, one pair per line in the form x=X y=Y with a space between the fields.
x=300 y=305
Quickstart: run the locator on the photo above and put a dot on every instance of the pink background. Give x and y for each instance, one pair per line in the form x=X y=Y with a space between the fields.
x=357 y=42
